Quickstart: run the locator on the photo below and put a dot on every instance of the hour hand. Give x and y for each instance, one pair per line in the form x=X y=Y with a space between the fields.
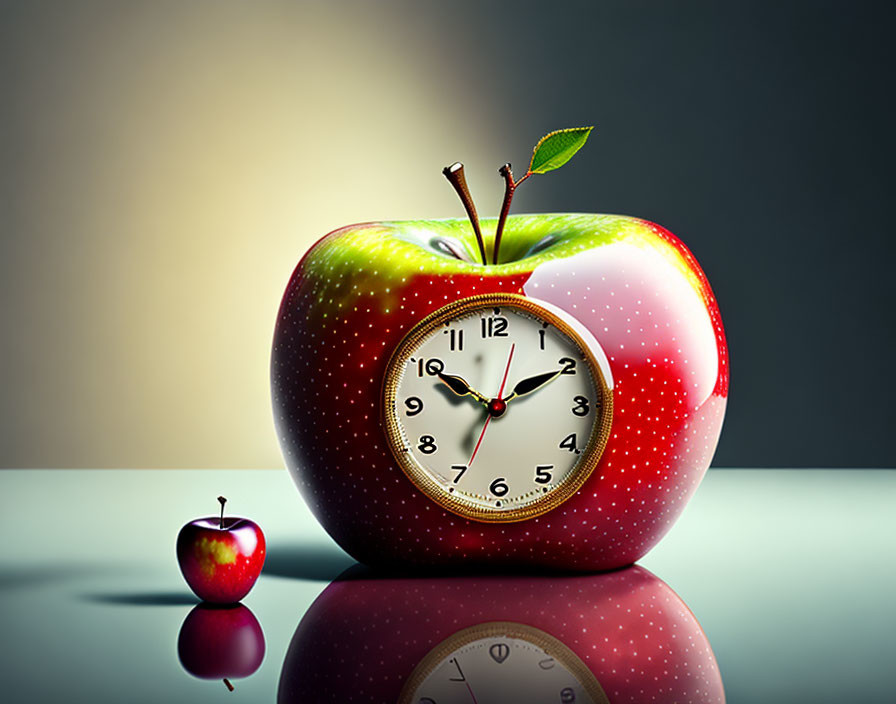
x=532 y=383
x=461 y=387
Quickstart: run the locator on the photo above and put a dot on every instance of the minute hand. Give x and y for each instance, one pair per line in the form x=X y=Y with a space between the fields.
x=532 y=383
x=459 y=386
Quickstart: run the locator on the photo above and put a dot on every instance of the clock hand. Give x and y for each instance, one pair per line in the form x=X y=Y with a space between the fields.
x=532 y=383
x=461 y=387
x=492 y=414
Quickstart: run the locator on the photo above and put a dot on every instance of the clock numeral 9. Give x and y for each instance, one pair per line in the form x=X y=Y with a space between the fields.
x=543 y=473
x=569 y=365
x=428 y=366
x=581 y=408
x=414 y=405
x=427 y=444
x=499 y=487
x=569 y=443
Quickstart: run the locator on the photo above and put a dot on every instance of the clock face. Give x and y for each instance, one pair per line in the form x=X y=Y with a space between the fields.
x=502 y=662
x=497 y=408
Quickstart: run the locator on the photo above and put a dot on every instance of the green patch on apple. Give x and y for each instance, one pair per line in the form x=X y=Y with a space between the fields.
x=371 y=260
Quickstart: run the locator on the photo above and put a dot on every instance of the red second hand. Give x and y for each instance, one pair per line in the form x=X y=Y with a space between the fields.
x=500 y=395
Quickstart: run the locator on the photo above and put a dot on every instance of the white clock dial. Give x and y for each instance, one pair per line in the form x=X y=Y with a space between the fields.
x=495 y=663
x=496 y=408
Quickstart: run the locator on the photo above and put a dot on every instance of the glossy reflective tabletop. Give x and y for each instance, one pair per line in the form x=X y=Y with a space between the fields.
x=791 y=574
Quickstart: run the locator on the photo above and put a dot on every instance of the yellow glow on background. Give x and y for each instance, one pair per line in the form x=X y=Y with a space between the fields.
x=166 y=166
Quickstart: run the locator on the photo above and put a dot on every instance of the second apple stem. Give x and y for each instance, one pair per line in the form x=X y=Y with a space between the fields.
x=509 y=188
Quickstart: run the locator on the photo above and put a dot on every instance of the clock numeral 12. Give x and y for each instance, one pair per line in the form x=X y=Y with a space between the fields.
x=493 y=327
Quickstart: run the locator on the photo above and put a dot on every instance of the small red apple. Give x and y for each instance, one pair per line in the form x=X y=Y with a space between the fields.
x=220 y=557
x=220 y=642
x=623 y=637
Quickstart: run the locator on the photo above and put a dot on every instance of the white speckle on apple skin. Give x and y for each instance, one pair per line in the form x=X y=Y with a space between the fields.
x=634 y=284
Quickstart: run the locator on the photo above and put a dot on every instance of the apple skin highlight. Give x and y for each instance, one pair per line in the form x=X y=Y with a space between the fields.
x=633 y=284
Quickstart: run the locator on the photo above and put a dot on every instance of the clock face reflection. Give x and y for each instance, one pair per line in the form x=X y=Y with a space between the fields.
x=497 y=408
x=502 y=662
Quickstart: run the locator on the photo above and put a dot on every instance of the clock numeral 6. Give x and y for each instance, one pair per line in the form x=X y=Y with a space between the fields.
x=581 y=408
x=427 y=444
x=567 y=695
x=499 y=487
x=543 y=473
x=428 y=366
x=414 y=404
x=569 y=443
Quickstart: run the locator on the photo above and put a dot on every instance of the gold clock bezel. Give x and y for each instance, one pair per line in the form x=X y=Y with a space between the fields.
x=600 y=429
x=551 y=646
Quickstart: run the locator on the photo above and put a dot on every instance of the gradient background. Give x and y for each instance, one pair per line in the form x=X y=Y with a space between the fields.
x=165 y=165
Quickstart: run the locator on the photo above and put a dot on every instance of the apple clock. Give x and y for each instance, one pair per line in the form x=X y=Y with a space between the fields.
x=498 y=407
x=549 y=396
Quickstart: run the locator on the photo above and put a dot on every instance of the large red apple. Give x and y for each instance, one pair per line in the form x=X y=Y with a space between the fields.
x=630 y=283
x=620 y=637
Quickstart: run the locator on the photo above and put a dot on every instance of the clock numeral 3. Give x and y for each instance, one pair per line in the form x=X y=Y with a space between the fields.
x=581 y=408
x=427 y=444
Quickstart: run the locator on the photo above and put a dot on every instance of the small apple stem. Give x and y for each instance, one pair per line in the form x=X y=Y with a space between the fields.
x=227 y=684
x=455 y=175
x=222 y=501
x=509 y=188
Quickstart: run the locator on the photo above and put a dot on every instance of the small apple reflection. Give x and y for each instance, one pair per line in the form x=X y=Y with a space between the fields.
x=221 y=643
x=619 y=637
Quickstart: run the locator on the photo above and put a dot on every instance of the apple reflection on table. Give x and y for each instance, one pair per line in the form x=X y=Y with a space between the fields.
x=617 y=637
x=221 y=642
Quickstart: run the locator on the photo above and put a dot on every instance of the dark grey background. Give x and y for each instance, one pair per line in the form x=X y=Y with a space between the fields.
x=762 y=134
x=164 y=162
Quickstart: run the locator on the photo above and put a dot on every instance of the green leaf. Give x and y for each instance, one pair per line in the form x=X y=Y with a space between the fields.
x=556 y=148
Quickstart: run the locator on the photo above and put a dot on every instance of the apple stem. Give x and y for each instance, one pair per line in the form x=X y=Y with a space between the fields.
x=222 y=501
x=227 y=684
x=509 y=187
x=455 y=175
